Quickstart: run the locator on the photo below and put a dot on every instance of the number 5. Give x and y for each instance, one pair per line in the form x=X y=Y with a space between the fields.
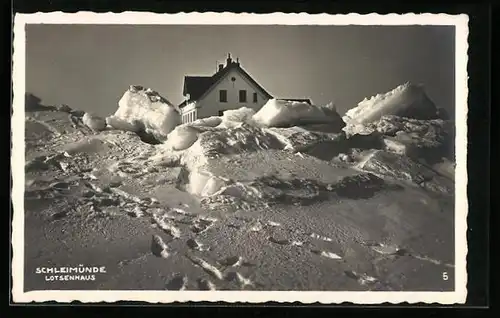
x=445 y=276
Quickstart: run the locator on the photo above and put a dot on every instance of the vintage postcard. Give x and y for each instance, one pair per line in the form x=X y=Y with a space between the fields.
x=239 y=158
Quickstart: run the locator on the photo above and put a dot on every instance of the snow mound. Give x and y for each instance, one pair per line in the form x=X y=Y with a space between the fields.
x=244 y=138
x=145 y=109
x=120 y=124
x=195 y=146
x=240 y=115
x=91 y=145
x=283 y=113
x=183 y=137
x=407 y=100
x=426 y=139
x=300 y=139
x=235 y=129
x=94 y=122
x=403 y=168
x=213 y=121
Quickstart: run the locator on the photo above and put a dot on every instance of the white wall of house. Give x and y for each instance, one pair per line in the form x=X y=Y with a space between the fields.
x=210 y=104
x=189 y=113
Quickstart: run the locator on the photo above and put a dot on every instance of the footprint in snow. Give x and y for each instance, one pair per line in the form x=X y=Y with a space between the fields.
x=386 y=249
x=362 y=278
x=256 y=227
x=60 y=186
x=201 y=225
x=207 y=267
x=179 y=282
x=320 y=237
x=273 y=224
x=167 y=227
x=205 y=284
x=158 y=247
x=278 y=241
x=232 y=261
x=242 y=281
x=137 y=212
x=182 y=211
x=326 y=254
x=195 y=245
x=59 y=215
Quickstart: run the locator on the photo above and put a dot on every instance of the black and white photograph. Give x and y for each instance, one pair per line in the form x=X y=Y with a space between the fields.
x=200 y=157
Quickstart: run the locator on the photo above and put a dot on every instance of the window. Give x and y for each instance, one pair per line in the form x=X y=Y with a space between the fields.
x=255 y=97
x=243 y=96
x=223 y=96
x=221 y=112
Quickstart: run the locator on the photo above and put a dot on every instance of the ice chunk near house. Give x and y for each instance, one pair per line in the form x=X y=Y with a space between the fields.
x=144 y=109
x=94 y=122
x=406 y=100
x=234 y=117
x=212 y=121
x=183 y=137
x=120 y=124
x=284 y=113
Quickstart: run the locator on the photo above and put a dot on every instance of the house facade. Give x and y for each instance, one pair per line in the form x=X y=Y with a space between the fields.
x=231 y=87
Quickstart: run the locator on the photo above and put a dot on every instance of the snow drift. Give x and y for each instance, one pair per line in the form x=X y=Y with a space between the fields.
x=144 y=110
x=233 y=117
x=185 y=135
x=425 y=139
x=407 y=100
x=283 y=113
x=94 y=122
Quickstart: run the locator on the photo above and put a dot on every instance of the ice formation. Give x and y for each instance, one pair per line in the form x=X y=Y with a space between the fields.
x=406 y=100
x=145 y=110
x=283 y=113
x=240 y=115
x=94 y=122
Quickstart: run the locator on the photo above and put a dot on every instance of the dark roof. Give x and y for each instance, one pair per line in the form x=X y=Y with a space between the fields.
x=197 y=86
x=302 y=100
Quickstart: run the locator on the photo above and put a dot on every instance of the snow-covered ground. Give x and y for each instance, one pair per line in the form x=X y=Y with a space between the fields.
x=281 y=199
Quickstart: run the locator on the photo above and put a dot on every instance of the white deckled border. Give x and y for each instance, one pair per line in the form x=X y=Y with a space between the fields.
x=141 y=18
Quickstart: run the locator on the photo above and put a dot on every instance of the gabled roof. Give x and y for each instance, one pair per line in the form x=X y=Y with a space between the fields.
x=198 y=86
x=195 y=86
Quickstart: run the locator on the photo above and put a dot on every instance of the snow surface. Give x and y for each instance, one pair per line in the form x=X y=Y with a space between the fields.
x=145 y=109
x=120 y=124
x=226 y=202
x=283 y=113
x=183 y=136
x=406 y=100
x=232 y=117
x=94 y=122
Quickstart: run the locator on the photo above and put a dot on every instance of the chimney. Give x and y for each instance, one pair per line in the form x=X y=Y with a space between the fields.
x=237 y=61
x=221 y=66
x=229 y=60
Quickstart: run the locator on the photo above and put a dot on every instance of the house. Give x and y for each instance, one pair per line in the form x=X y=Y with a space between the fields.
x=231 y=87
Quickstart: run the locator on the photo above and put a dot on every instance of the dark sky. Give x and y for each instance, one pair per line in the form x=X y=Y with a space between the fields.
x=89 y=67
